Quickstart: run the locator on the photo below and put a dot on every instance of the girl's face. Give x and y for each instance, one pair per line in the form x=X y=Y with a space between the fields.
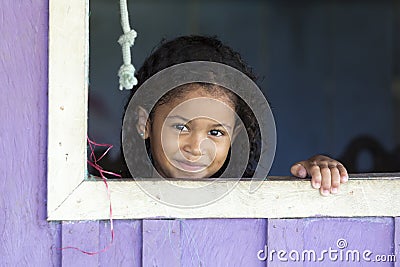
x=190 y=137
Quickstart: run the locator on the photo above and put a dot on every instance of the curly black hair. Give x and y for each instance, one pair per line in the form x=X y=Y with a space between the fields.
x=199 y=48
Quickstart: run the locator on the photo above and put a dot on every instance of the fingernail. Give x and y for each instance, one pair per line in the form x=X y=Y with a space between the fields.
x=345 y=178
x=325 y=192
x=317 y=185
x=334 y=190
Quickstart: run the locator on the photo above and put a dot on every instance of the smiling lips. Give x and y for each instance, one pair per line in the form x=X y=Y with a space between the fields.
x=190 y=166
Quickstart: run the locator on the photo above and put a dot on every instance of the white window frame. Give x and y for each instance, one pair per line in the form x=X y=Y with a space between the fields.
x=72 y=197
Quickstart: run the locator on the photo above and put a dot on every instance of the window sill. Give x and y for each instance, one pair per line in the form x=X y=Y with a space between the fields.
x=277 y=197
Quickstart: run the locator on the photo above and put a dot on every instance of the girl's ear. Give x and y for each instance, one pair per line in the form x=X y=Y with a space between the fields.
x=143 y=125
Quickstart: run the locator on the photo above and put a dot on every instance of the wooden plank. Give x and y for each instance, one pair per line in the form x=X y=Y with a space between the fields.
x=273 y=199
x=161 y=243
x=27 y=239
x=397 y=240
x=84 y=236
x=209 y=242
x=126 y=250
x=318 y=234
x=67 y=105
x=222 y=242
x=282 y=234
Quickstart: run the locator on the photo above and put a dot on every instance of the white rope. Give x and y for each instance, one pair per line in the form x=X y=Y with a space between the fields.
x=127 y=72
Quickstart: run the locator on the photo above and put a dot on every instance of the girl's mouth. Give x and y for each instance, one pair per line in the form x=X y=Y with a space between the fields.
x=190 y=166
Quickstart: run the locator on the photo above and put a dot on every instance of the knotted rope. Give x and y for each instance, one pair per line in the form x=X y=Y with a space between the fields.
x=126 y=72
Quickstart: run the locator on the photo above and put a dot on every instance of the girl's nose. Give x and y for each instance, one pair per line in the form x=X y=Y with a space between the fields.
x=192 y=144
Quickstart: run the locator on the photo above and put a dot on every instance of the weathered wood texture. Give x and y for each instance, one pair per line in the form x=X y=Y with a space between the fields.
x=229 y=242
x=341 y=234
x=95 y=236
x=67 y=94
x=206 y=242
x=162 y=243
x=27 y=239
x=273 y=199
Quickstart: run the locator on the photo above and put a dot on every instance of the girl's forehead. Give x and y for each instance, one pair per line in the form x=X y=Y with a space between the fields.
x=204 y=105
x=204 y=96
x=198 y=106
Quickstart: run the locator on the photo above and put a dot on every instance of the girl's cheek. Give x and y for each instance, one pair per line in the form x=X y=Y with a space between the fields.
x=169 y=140
x=220 y=158
x=222 y=150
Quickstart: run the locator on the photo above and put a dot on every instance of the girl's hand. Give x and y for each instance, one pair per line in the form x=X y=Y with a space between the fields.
x=326 y=174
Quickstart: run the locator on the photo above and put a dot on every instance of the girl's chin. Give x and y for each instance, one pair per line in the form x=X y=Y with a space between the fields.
x=178 y=173
x=190 y=175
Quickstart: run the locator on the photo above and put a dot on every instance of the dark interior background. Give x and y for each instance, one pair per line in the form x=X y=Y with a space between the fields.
x=330 y=69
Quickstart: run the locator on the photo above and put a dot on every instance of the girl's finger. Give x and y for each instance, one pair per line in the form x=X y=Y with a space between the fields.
x=335 y=179
x=298 y=170
x=326 y=180
x=344 y=176
x=316 y=177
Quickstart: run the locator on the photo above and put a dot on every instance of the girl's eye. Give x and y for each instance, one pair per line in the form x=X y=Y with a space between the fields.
x=216 y=133
x=180 y=127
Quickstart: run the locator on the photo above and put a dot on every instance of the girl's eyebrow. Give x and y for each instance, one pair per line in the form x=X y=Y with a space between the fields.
x=177 y=117
x=221 y=125
x=187 y=120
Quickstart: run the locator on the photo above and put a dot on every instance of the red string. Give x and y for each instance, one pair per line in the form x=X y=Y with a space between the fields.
x=92 y=161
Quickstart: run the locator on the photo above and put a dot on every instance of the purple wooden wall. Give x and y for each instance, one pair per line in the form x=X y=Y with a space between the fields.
x=27 y=239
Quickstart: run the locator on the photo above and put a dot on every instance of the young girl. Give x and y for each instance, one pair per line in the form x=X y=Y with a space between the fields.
x=193 y=130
